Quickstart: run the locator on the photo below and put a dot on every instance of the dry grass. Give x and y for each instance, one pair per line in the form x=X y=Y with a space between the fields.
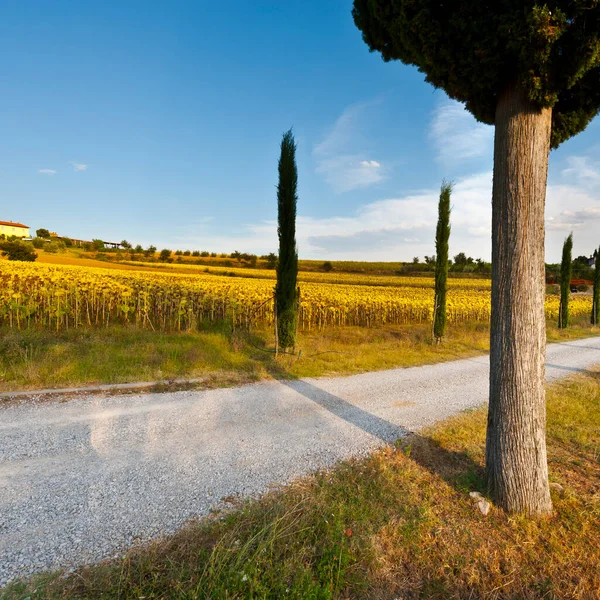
x=398 y=524
x=43 y=359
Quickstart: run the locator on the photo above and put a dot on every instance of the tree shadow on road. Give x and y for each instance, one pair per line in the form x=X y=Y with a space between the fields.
x=456 y=468
x=581 y=370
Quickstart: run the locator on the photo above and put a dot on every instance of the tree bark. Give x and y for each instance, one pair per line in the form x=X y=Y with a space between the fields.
x=516 y=464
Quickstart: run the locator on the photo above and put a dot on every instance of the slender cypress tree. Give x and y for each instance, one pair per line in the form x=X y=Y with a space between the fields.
x=566 y=270
x=442 y=236
x=287 y=267
x=596 y=292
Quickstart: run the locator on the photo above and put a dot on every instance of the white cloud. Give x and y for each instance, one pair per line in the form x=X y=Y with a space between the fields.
x=47 y=171
x=573 y=204
x=388 y=229
x=403 y=227
x=568 y=219
x=583 y=170
x=79 y=166
x=457 y=136
x=340 y=157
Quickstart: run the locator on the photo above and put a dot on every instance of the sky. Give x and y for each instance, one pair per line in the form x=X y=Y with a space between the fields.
x=160 y=123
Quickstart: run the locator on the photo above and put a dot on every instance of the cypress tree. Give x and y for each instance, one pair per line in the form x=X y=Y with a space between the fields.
x=596 y=291
x=442 y=236
x=566 y=269
x=287 y=266
x=531 y=68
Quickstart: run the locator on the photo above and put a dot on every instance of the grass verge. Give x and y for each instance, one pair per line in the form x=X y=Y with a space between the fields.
x=397 y=524
x=35 y=359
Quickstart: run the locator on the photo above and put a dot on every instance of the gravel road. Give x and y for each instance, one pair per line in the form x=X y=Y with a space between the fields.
x=84 y=479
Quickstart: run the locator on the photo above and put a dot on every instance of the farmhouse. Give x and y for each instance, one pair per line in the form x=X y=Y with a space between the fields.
x=8 y=228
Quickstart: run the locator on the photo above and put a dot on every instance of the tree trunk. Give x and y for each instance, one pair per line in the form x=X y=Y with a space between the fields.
x=516 y=464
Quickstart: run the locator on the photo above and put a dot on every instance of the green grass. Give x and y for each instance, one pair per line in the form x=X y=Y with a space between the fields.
x=36 y=359
x=396 y=524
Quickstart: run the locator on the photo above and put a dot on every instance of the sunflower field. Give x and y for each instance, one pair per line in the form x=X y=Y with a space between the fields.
x=61 y=297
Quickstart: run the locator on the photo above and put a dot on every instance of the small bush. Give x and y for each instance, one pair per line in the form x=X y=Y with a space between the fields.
x=18 y=251
x=55 y=247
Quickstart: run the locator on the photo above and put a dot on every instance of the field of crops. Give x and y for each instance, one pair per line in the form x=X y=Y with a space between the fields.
x=52 y=296
x=309 y=276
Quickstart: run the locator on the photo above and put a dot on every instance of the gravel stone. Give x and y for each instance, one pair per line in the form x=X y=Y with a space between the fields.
x=85 y=479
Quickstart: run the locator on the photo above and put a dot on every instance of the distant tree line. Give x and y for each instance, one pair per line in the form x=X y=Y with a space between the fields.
x=460 y=263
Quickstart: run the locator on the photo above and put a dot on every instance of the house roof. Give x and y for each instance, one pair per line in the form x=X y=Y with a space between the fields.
x=11 y=224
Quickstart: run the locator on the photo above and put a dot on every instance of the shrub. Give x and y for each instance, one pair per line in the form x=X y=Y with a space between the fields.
x=18 y=251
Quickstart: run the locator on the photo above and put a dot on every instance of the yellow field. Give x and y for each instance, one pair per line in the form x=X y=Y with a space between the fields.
x=309 y=276
x=62 y=296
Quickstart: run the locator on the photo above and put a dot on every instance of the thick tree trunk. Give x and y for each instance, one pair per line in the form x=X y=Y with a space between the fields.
x=516 y=464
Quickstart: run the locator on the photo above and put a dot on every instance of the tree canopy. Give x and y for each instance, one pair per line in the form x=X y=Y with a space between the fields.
x=474 y=49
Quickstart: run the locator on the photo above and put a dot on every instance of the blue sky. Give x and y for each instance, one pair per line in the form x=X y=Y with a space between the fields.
x=160 y=123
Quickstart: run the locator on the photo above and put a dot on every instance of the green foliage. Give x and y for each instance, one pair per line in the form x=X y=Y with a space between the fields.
x=566 y=268
x=18 y=251
x=474 y=50
x=98 y=244
x=327 y=266
x=287 y=266
x=42 y=233
x=165 y=255
x=462 y=259
x=596 y=291
x=271 y=259
x=38 y=242
x=442 y=237
x=55 y=246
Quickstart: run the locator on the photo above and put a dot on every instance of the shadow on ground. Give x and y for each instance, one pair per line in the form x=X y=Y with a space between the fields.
x=456 y=468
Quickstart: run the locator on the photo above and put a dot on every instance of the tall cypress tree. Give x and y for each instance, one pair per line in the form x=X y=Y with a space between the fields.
x=566 y=270
x=531 y=68
x=442 y=237
x=287 y=266
x=596 y=291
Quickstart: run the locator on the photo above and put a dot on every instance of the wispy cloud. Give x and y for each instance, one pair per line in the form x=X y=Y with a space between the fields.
x=79 y=166
x=47 y=171
x=582 y=169
x=402 y=227
x=457 y=136
x=340 y=158
x=568 y=220
x=389 y=229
